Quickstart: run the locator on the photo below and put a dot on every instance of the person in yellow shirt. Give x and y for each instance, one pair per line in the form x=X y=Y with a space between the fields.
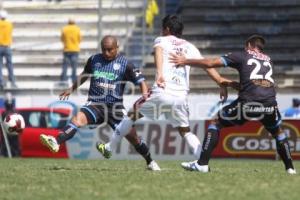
x=6 y=28
x=71 y=38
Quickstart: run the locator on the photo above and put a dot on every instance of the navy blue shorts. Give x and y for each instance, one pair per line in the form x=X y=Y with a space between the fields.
x=98 y=114
x=237 y=113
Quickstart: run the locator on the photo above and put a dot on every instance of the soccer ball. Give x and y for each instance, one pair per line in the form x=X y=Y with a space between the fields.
x=14 y=123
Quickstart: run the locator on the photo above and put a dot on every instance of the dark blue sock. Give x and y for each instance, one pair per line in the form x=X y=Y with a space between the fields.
x=67 y=133
x=142 y=149
x=210 y=142
x=283 y=149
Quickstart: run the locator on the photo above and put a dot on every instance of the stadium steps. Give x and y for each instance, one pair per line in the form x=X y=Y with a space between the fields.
x=217 y=27
x=37 y=49
x=221 y=26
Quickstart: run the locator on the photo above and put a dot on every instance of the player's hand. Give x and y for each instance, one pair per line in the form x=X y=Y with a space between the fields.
x=235 y=85
x=160 y=81
x=228 y=83
x=223 y=94
x=177 y=59
x=65 y=94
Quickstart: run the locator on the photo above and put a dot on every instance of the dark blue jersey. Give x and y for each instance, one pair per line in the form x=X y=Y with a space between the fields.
x=108 y=78
x=255 y=70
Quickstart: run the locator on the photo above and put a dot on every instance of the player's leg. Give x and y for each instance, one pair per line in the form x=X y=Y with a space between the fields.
x=121 y=130
x=210 y=142
x=142 y=148
x=124 y=126
x=191 y=139
x=227 y=116
x=85 y=116
x=121 y=125
x=272 y=123
x=178 y=116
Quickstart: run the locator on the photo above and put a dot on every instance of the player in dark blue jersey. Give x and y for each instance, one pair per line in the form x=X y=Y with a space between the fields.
x=108 y=73
x=256 y=100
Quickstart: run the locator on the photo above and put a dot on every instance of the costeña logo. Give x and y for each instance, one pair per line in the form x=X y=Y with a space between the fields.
x=261 y=142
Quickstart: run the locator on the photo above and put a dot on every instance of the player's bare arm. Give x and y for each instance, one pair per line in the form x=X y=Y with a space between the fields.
x=158 y=59
x=81 y=79
x=203 y=63
x=144 y=89
x=220 y=80
x=208 y=64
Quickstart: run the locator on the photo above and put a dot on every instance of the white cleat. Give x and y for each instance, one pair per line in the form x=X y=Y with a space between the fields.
x=153 y=166
x=50 y=142
x=291 y=171
x=194 y=166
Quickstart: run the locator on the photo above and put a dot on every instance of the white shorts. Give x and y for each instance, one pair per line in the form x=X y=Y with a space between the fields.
x=172 y=108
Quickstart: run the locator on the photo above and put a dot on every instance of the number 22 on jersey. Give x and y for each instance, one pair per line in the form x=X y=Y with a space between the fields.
x=257 y=66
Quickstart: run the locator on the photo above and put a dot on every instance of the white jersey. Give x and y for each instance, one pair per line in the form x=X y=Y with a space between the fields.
x=176 y=78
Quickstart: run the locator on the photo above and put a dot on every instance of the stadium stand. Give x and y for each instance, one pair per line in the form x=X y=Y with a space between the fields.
x=214 y=26
x=37 y=50
x=220 y=26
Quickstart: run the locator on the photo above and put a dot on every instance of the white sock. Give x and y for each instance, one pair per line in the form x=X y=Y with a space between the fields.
x=121 y=130
x=194 y=144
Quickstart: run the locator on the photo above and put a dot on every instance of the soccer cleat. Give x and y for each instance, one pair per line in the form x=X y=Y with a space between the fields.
x=291 y=171
x=101 y=148
x=194 y=166
x=153 y=166
x=50 y=142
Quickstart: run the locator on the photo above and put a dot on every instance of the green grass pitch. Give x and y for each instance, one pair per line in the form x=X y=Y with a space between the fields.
x=60 y=179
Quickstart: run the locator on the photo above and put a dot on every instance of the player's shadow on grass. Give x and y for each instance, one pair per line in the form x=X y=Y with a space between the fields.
x=59 y=168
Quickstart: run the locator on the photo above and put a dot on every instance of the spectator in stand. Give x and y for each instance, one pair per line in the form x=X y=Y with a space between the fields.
x=294 y=111
x=6 y=28
x=71 y=38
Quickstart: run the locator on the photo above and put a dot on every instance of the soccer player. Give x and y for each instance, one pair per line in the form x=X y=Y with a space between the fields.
x=168 y=96
x=256 y=100
x=108 y=72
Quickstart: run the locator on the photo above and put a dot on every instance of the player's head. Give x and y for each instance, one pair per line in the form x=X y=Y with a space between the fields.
x=109 y=46
x=172 y=25
x=255 y=42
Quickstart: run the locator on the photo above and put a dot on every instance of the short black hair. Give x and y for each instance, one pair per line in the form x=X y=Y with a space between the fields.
x=256 y=41
x=174 y=24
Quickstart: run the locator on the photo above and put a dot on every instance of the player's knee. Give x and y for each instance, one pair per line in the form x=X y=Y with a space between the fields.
x=281 y=137
x=274 y=130
x=132 y=137
x=79 y=121
x=134 y=115
x=183 y=130
x=214 y=126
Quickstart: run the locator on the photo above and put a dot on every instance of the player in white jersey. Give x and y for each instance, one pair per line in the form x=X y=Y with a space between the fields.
x=172 y=83
x=168 y=96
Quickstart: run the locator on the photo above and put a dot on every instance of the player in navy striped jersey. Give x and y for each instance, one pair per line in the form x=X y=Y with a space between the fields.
x=256 y=100
x=108 y=73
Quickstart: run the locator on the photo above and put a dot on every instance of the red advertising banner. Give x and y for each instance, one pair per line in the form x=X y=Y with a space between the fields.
x=252 y=140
